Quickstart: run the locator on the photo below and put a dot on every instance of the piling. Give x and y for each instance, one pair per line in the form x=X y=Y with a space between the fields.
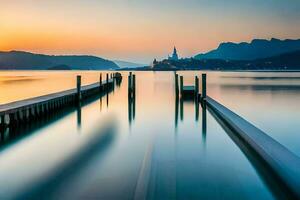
x=129 y=84
x=2 y=118
x=106 y=81
x=204 y=86
x=78 y=88
x=176 y=84
x=100 y=81
x=133 y=84
x=181 y=84
x=196 y=86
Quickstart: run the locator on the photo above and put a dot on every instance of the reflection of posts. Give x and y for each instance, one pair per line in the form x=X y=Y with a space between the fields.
x=181 y=109
x=133 y=106
x=79 y=115
x=181 y=85
x=100 y=103
x=196 y=110
x=204 y=122
x=107 y=97
x=131 y=109
x=176 y=110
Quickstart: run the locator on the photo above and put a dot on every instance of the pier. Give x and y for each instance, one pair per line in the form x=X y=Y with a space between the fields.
x=15 y=113
x=261 y=157
x=281 y=163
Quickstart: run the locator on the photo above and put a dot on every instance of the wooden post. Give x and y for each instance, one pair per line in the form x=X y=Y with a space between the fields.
x=2 y=121
x=204 y=86
x=181 y=84
x=196 y=86
x=176 y=84
x=106 y=87
x=133 y=84
x=100 y=81
x=78 y=88
x=129 y=85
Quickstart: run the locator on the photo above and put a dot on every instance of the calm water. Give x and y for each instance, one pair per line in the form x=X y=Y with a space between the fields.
x=157 y=147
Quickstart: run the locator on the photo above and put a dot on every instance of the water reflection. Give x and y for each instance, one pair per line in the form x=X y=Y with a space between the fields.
x=204 y=122
x=264 y=87
x=12 y=134
x=179 y=106
x=176 y=110
x=131 y=108
x=79 y=115
x=277 y=187
x=263 y=77
x=63 y=175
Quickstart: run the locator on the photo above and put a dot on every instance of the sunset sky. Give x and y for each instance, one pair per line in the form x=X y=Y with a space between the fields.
x=140 y=30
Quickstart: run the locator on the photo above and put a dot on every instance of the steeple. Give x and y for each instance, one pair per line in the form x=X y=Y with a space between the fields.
x=175 y=55
x=175 y=51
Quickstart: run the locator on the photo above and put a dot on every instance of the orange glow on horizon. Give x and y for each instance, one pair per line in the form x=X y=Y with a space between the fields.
x=137 y=31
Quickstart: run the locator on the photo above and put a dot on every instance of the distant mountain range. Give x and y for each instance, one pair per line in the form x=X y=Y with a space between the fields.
x=257 y=49
x=24 y=60
x=286 y=61
x=125 y=64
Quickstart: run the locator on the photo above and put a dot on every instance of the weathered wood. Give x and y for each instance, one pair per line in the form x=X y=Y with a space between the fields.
x=203 y=86
x=181 y=84
x=176 y=84
x=129 y=84
x=196 y=85
x=133 y=84
x=78 y=88
x=100 y=81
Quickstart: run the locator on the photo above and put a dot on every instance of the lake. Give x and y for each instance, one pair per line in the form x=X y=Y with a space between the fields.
x=156 y=147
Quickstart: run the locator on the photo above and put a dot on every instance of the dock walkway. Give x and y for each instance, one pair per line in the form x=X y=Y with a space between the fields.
x=24 y=110
x=283 y=162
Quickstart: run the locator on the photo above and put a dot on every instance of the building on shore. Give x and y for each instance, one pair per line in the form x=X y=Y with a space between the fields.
x=174 y=56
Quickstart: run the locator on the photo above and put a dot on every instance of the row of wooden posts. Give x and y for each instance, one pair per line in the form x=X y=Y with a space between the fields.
x=179 y=89
x=79 y=94
x=44 y=105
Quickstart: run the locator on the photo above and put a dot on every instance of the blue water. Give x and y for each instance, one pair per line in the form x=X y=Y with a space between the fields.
x=156 y=148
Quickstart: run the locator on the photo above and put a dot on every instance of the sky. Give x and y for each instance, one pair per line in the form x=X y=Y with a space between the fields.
x=141 y=30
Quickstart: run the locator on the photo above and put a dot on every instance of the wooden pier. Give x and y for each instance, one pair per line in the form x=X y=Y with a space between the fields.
x=15 y=113
x=281 y=162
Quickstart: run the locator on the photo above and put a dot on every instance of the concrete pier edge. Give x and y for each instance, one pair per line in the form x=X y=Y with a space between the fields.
x=283 y=162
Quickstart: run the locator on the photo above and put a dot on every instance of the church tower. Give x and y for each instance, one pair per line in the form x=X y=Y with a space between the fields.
x=174 y=55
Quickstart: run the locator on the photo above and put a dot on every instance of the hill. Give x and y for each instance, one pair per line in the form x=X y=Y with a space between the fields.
x=28 y=61
x=256 y=49
x=287 y=61
x=125 y=64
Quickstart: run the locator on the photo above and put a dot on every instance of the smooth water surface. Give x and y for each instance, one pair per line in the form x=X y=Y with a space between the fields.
x=157 y=146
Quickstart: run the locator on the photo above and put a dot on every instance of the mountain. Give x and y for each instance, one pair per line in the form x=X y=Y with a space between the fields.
x=125 y=64
x=60 y=67
x=290 y=61
x=257 y=49
x=286 y=61
x=24 y=60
